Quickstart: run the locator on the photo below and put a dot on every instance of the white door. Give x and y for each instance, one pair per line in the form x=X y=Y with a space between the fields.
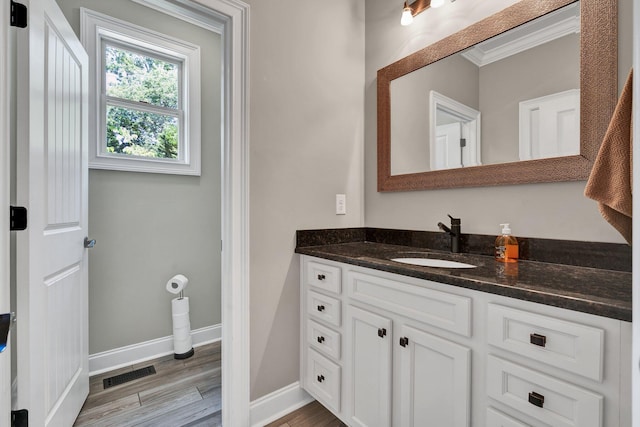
x=549 y=126
x=370 y=346
x=51 y=261
x=447 y=151
x=435 y=380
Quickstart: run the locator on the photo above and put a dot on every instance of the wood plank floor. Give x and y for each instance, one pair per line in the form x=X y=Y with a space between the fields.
x=311 y=415
x=182 y=393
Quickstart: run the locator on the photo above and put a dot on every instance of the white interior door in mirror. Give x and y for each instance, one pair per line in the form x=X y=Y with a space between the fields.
x=550 y=126
x=454 y=133
x=447 y=151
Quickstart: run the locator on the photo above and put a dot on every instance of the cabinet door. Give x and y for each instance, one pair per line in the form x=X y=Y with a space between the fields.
x=370 y=367
x=435 y=380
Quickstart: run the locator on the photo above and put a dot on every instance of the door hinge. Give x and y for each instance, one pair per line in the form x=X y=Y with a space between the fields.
x=18 y=218
x=463 y=142
x=18 y=15
x=20 y=418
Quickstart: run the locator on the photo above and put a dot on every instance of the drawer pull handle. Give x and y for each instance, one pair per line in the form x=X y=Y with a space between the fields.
x=382 y=332
x=321 y=277
x=537 y=339
x=320 y=339
x=320 y=378
x=536 y=399
x=321 y=308
x=404 y=341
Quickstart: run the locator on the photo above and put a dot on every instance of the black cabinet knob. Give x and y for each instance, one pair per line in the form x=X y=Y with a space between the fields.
x=382 y=332
x=320 y=339
x=320 y=378
x=321 y=277
x=536 y=399
x=537 y=339
x=321 y=308
x=404 y=341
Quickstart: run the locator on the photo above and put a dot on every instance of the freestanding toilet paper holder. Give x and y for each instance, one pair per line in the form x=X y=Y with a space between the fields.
x=182 y=343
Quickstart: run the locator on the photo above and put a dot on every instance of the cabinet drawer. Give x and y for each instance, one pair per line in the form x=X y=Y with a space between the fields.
x=567 y=345
x=324 y=307
x=440 y=309
x=323 y=380
x=496 y=418
x=323 y=276
x=547 y=399
x=323 y=339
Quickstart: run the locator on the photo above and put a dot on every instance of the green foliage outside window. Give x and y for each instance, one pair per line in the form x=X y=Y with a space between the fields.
x=135 y=77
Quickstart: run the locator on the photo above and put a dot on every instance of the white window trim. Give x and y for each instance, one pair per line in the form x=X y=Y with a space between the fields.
x=96 y=27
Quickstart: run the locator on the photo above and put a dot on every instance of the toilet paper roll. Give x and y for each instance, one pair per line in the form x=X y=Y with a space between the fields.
x=177 y=283
x=180 y=306
x=182 y=346
x=181 y=321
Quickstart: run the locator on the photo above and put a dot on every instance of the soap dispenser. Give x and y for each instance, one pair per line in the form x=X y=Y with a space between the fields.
x=506 y=246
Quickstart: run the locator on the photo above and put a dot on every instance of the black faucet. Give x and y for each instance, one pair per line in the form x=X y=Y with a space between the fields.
x=454 y=232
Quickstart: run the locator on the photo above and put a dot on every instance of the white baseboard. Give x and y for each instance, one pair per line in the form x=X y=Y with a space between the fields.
x=136 y=353
x=278 y=404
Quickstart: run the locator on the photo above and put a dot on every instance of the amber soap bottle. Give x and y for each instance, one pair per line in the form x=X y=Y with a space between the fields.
x=506 y=246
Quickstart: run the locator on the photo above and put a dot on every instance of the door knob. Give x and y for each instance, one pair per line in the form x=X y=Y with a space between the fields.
x=89 y=243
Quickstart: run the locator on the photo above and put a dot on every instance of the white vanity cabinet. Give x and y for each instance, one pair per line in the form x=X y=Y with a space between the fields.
x=380 y=349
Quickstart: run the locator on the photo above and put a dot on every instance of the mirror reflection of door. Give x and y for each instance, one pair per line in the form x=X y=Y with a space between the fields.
x=455 y=133
x=447 y=151
x=550 y=126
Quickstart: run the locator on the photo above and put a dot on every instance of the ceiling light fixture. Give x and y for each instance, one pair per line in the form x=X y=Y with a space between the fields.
x=407 y=15
x=418 y=6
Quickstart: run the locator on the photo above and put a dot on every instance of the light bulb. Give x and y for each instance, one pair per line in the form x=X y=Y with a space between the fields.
x=407 y=17
x=436 y=3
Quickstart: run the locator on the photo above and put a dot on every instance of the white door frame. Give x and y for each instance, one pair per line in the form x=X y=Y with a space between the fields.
x=5 y=105
x=235 y=214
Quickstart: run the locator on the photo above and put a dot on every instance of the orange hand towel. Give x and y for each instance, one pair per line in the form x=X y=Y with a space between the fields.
x=611 y=177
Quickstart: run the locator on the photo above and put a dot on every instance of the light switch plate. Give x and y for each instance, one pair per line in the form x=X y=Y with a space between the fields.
x=341 y=204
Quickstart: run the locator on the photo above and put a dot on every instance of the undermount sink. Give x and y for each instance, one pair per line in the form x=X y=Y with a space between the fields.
x=430 y=262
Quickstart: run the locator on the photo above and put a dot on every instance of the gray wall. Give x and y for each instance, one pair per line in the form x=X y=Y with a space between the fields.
x=557 y=210
x=307 y=70
x=543 y=70
x=152 y=226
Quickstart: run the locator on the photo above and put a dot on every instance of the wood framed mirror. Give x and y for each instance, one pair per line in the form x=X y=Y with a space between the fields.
x=598 y=37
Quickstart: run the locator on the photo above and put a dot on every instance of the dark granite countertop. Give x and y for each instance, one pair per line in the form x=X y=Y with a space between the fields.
x=591 y=290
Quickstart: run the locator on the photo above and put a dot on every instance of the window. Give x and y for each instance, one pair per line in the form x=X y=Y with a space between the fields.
x=146 y=102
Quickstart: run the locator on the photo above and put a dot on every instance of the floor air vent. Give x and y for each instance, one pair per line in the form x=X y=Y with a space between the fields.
x=128 y=376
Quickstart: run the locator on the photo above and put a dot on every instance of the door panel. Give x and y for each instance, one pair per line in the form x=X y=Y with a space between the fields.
x=435 y=381
x=448 y=153
x=371 y=368
x=51 y=262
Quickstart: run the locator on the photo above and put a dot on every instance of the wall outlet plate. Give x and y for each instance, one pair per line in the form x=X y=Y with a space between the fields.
x=341 y=204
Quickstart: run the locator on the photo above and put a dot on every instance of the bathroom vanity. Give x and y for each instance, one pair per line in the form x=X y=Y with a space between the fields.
x=529 y=344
